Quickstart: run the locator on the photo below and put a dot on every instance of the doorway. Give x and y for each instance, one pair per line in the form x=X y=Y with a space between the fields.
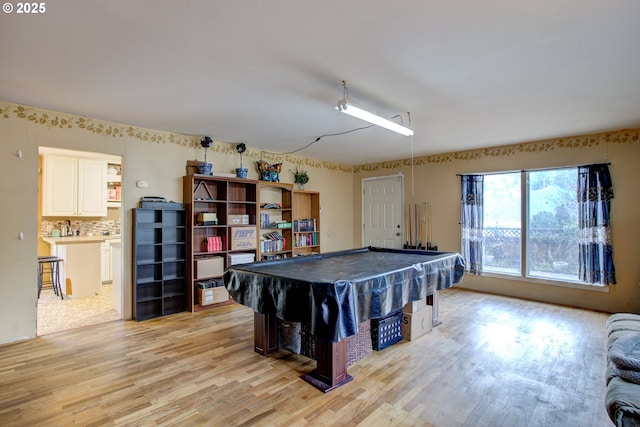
x=382 y=221
x=99 y=236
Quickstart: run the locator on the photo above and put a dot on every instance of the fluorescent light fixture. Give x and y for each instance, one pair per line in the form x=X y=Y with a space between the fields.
x=346 y=106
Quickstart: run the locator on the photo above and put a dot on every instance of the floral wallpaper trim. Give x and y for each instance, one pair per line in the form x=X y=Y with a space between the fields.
x=252 y=155
x=53 y=119
x=626 y=136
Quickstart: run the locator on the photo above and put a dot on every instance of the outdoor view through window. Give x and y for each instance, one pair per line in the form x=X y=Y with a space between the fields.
x=550 y=220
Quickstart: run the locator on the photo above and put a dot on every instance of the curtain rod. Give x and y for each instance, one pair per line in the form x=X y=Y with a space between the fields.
x=531 y=170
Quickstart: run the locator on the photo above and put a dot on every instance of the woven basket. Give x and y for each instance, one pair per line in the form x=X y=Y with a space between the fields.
x=359 y=345
x=297 y=338
x=289 y=336
x=308 y=341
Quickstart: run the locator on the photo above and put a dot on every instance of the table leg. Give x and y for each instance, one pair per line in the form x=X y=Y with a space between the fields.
x=331 y=371
x=265 y=333
x=331 y=367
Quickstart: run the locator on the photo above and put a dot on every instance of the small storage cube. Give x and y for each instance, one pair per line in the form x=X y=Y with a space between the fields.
x=386 y=331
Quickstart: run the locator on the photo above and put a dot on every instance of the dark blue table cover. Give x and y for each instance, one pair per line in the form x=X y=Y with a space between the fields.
x=337 y=290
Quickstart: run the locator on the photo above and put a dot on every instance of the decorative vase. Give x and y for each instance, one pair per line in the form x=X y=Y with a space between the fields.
x=300 y=186
x=242 y=172
x=205 y=168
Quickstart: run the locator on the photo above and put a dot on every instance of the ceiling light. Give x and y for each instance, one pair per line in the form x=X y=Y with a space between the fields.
x=346 y=106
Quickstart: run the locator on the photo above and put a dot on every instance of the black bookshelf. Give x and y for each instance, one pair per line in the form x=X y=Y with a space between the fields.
x=159 y=259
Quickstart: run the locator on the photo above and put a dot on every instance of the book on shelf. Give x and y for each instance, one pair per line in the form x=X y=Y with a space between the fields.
x=273 y=242
x=306 y=239
x=304 y=225
x=274 y=257
x=266 y=222
x=212 y=244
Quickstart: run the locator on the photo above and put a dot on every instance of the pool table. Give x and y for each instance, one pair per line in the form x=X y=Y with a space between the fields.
x=334 y=292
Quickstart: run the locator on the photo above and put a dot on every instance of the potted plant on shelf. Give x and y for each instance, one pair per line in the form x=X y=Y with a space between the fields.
x=300 y=177
x=241 y=172
x=205 y=168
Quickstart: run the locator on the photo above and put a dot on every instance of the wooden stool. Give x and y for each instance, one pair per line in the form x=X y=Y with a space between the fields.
x=49 y=265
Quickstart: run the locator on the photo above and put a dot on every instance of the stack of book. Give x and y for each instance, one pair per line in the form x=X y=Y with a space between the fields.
x=212 y=244
x=273 y=242
x=301 y=225
x=266 y=222
x=310 y=239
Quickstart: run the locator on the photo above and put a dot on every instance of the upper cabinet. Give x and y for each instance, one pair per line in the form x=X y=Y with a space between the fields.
x=73 y=186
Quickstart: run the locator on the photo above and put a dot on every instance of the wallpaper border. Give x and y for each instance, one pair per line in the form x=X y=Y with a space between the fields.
x=623 y=136
x=53 y=119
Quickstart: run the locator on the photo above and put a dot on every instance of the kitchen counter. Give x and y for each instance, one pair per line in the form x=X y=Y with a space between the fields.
x=70 y=240
x=80 y=273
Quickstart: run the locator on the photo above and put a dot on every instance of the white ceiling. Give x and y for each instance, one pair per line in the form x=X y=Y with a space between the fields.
x=268 y=73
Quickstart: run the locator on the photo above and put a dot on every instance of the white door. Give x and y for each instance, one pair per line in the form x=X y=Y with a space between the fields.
x=382 y=201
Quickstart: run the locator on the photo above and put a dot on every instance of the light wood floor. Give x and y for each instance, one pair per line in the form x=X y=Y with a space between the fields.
x=494 y=361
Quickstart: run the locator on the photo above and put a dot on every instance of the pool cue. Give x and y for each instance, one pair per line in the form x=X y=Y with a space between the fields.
x=429 y=225
x=415 y=231
x=409 y=218
x=418 y=228
x=406 y=225
x=424 y=224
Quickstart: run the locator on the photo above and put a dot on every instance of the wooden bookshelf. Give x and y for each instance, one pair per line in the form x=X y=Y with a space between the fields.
x=306 y=210
x=230 y=200
x=275 y=219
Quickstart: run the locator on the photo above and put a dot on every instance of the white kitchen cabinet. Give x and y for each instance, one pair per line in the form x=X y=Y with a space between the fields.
x=73 y=186
x=105 y=262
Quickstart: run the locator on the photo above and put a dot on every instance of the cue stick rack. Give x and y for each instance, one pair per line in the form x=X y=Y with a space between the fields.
x=417 y=220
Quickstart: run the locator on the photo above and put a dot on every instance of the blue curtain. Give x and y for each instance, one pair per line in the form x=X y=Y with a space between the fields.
x=472 y=218
x=595 y=192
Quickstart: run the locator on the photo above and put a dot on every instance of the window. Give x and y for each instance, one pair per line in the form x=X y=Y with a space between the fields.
x=531 y=216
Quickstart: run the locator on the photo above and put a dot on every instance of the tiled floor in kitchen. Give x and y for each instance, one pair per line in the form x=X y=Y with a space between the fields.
x=56 y=315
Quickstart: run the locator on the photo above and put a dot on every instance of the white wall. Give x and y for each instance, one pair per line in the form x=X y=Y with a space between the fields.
x=436 y=182
x=157 y=157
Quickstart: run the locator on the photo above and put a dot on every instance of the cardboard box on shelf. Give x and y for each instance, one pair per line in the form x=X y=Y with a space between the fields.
x=243 y=238
x=241 y=258
x=212 y=295
x=416 y=324
x=237 y=219
x=209 y=267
